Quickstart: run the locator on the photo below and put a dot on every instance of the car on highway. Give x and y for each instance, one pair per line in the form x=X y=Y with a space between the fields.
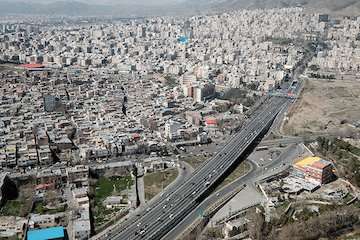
x=142 y=232
x=168 y=212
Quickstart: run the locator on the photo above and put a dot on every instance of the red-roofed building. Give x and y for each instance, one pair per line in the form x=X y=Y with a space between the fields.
x=211 y=122
x=136 y=137
x=316 y=169
x=45 y=186
x=32 y=65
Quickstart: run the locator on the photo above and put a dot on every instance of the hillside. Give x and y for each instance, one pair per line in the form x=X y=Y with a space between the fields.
x=344 y=7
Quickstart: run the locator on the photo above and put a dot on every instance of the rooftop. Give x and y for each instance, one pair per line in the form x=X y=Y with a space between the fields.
x=315 y=162
x=46 y=234
x=32 y=66
x=307 y=161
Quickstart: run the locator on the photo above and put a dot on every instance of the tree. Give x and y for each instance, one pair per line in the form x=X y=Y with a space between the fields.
x=314 y=68
x=327 y=225
x=256 y=224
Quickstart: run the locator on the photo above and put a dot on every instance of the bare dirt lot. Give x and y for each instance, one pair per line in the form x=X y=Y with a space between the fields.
x=325 y=106
x=157 y=181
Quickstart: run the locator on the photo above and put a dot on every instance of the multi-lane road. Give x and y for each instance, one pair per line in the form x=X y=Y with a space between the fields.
x=165 y=213
x=255 y=174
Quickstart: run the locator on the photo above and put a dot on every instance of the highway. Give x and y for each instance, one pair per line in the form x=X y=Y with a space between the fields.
x=255 y=174
x=171 y=208
x=292 y=140
x=164 y=214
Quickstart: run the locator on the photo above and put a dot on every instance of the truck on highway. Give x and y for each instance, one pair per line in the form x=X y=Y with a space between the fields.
x=262 y=148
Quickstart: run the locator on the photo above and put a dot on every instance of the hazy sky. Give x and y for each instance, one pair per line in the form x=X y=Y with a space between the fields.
x=146 y=2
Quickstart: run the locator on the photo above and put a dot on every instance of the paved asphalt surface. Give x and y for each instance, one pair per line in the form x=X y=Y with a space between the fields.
x=177 y=204
x=169 y=209
x=185 y=171
x=255 y=174
x=164 y=214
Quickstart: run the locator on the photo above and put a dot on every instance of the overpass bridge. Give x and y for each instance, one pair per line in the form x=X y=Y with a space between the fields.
x=165 y=213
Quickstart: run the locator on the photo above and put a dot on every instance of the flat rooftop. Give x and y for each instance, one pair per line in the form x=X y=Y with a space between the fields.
x=46 y=234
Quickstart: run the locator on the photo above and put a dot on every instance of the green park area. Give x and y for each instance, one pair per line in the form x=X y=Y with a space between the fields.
x=106 y=187
x=40 y=208
x=113 y=186
x=11 y=208
x=21 y=206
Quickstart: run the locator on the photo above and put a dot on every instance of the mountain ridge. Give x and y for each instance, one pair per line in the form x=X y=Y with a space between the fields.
x=179 y=7
x=78 y=8
x=343 y=7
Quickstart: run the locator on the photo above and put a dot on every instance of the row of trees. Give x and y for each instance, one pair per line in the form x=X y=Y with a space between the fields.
x=346 y=156
x=322 y=76
x=238 y=95
x=334 y=145
x=329 y=224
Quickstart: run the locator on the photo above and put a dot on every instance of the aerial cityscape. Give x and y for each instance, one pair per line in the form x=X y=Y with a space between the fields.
x=179 y=120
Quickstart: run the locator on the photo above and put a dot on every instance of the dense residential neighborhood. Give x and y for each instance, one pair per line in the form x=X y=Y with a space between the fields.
x=99 y=118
